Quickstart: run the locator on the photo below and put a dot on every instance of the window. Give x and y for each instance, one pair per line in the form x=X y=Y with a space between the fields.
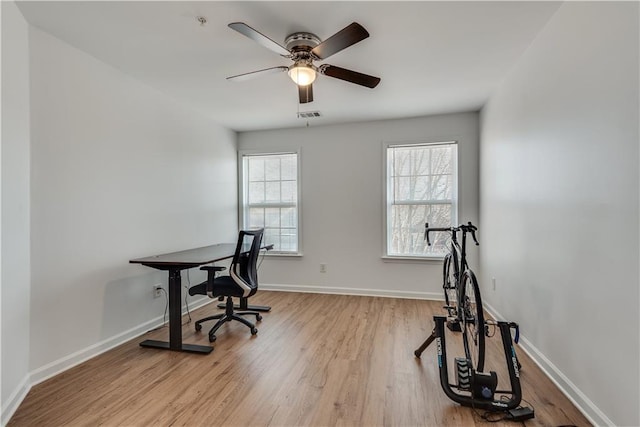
x=421 y=187
x=270 y=194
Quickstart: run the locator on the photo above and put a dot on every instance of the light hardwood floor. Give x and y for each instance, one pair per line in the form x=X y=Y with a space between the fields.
x=317 y=360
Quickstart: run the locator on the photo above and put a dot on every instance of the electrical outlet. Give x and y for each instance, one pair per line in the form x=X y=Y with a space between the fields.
x=493 y=283
x=323 y=268
x=157 y=291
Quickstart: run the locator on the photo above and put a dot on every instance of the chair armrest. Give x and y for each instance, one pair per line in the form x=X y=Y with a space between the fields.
x=211 y=274
x=213 y=268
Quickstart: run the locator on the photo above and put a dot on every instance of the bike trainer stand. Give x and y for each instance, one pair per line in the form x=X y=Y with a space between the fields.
x=480 y=390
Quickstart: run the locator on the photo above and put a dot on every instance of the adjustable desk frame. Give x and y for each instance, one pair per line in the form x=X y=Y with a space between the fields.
x=174 y=263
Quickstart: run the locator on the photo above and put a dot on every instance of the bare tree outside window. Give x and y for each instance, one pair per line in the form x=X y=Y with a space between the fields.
x=421 y=187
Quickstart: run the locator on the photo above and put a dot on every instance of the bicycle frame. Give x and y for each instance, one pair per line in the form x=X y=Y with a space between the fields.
x=458 y=252
x=461 y=251
x=458 y=315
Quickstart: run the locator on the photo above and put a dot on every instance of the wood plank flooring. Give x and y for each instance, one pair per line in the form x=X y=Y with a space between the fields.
x=317 y=360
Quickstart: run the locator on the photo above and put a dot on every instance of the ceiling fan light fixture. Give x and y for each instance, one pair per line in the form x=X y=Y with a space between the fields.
x=302 y=74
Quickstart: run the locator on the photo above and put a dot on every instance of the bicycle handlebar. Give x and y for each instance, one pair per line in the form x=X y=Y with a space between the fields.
x=465 y=228
x=472 y=229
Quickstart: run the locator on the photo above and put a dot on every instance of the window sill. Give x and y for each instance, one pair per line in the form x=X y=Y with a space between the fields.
x=411 y=259
x=283 y=254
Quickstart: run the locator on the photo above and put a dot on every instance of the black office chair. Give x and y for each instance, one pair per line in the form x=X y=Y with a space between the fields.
x=242 y=282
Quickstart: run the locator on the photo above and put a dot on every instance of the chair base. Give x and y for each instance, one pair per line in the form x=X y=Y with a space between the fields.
x=228 y=316
x=263 y=308
x=244 y=305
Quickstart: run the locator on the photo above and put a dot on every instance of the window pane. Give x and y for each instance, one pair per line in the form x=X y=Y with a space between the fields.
x=256 y=217
x=441 y=188
x=256 y=169
x=421 y=188
x=288 y=217
x=272 y=217
x=408 y=229
x=289 y=169
x=272 y=237
x=441 y=160
x=402 y=162
x=272 y=191
x=272 y=168
x=289 y=191
x=441 y=216
x=289 y=240
x=403 y=188
x=399 y=228
x=256 y=192
x=419 y=215
x=420 y=162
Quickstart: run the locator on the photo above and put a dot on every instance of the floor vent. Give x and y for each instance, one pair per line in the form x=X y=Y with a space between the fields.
x=308 y=114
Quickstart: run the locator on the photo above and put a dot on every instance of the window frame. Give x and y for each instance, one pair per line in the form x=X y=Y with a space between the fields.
x=388 y=191
x=243 y=194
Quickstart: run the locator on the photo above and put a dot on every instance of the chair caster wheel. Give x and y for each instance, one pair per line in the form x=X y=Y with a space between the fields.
x=258 y=317
x=212 y=338
x=254 y=331
x=198 y=327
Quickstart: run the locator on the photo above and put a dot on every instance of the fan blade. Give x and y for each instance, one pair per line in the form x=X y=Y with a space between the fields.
x=305 y=93
x=247 y=76
x=349 y=76
x=258 y=37
x=344 y=38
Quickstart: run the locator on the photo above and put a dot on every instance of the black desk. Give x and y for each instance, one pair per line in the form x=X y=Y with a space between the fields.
x=175 y=262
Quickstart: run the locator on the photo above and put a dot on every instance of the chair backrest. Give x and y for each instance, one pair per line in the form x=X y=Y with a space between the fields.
x=244 y=269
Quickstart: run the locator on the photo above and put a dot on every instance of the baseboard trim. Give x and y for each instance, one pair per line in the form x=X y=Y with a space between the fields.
x=566 y=386
x=16 y=398
x=58 y=366
x=352 y=291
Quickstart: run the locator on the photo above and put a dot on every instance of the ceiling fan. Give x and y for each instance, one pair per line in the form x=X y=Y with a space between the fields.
x=303 y=48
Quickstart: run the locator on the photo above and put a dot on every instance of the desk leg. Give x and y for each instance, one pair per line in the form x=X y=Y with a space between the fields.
x=175 y=317
x=175 y=321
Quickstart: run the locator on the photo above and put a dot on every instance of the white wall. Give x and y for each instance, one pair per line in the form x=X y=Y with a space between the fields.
x=559 y=204
x=343 y=201
x=15 y=207
x=119 y=171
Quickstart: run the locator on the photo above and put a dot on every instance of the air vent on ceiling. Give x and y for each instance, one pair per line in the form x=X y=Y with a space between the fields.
x=308 y=114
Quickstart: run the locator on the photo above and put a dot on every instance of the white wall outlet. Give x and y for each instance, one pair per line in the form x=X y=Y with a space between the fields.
x=157 y=291
x=323 y=268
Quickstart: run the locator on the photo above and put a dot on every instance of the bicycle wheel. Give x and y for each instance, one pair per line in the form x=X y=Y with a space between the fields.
x=472 y=319
x=449 y=283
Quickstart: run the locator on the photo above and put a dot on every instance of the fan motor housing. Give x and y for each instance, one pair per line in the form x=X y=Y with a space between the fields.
x=301 y=41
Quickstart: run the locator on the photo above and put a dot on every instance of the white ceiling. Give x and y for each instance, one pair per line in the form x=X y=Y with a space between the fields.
x=432 y=57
